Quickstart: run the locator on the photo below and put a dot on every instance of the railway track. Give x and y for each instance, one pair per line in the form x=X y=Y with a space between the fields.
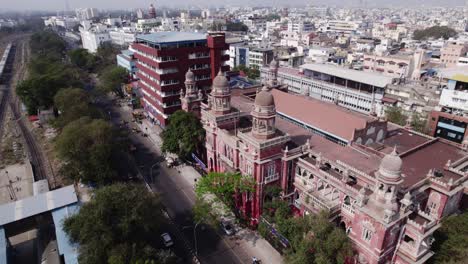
x=5 y=76
x=34 y=152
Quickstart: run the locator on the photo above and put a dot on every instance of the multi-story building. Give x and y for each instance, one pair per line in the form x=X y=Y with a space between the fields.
x=355 y=90
x=93 y=35
x=127 y=61
x=258 y=57
x=122 y=37
x=450 y=119
x=163 y=58
x=410 y=66
x=239 y=54
x=384 y=193
x=451 y=52
x=300 y=26
x=86 y=13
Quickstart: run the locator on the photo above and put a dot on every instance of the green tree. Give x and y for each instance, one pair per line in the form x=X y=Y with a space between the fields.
x=435 y=32
x=112 y=78
x=106 y=53
x=72 y=104
x=419 y=123
x=395 y=115
x=316 y=240
x=451 y=240
x=203 y=212
x=119 y=225
x=47 y=42
x=82 y=59
x=224 y=186
x=183 y=134
x=250 y=72
x=90 y=150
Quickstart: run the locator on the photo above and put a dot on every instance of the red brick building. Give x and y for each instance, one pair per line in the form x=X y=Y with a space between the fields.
x=163 y=59
x=386 y=186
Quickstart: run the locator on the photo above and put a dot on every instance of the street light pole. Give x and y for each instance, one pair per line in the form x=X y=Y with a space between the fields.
x=195 y=237
x=151 y=172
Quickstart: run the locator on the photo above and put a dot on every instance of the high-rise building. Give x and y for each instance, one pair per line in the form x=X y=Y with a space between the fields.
x=163 y=59
x=152 y=11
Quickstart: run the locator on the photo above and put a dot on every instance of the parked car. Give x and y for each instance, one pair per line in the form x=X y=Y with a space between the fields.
x=228 y=229
x=167 y=240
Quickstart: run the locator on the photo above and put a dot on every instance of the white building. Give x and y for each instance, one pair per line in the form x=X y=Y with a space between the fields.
x=356 y=90
x=93 y=35
x=121 y=37
x=146 y=25
x=86 y=13
x=65 y=22
x=300 y=26
x=320 y=54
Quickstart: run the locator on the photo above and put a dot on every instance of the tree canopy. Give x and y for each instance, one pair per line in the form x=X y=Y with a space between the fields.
x=112 y=77
x=119 y=225
x=72 y=104
x=224 y=186
x=395 y=115
x=90 y=149
x=183 y=134
x=83 y=59
x=47 y=72
x=451 y=240
x=419 y=122
x=435 y=32
x=250 y=72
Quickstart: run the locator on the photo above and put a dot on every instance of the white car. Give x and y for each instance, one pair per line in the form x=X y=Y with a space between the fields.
x=167 y=240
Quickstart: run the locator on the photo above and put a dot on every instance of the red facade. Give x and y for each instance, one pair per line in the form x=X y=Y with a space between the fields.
x=161 y=70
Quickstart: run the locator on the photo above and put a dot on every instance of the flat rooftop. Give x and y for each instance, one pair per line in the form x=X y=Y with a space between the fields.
x=16 y=182
x=171 y=37
x=374 y=79
x=37 y=204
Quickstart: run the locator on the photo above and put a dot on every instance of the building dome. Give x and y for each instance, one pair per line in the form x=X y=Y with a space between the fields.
x=390 y=166
x=189 y=75
x=264 y=98
x=220 y=81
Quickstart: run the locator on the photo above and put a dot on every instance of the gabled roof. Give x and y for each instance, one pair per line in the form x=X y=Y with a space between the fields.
x=322 y=116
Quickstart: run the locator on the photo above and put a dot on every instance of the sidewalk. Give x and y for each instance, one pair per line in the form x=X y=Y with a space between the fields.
x=245 y=243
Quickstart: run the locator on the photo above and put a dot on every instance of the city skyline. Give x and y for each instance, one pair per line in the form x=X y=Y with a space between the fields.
x=60 y=5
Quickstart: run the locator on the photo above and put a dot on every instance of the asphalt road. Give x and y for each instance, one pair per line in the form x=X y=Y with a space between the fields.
x=178 y=197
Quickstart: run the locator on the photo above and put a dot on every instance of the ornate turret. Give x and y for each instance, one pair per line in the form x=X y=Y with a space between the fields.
x=273 y=73
x=192 y=98
x=384 y=198
x=220 y=99
x=263 y=115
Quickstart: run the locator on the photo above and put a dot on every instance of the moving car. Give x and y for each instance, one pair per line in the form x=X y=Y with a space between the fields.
x=167 y=240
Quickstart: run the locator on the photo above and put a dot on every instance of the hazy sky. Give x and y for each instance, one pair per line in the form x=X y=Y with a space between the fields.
x=127 y=4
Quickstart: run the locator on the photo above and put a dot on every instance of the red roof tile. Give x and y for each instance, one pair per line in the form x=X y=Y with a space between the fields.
x=323 y=116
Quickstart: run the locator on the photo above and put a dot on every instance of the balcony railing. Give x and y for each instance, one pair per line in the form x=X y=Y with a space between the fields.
x=347 y=208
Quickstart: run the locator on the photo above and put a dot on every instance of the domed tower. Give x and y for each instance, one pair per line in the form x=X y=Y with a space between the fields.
x=388 y=183
x=152 y=11
x=220 y=100
x=273 y=73
x=191 y=100
x=263 y=115
x=190 y=83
